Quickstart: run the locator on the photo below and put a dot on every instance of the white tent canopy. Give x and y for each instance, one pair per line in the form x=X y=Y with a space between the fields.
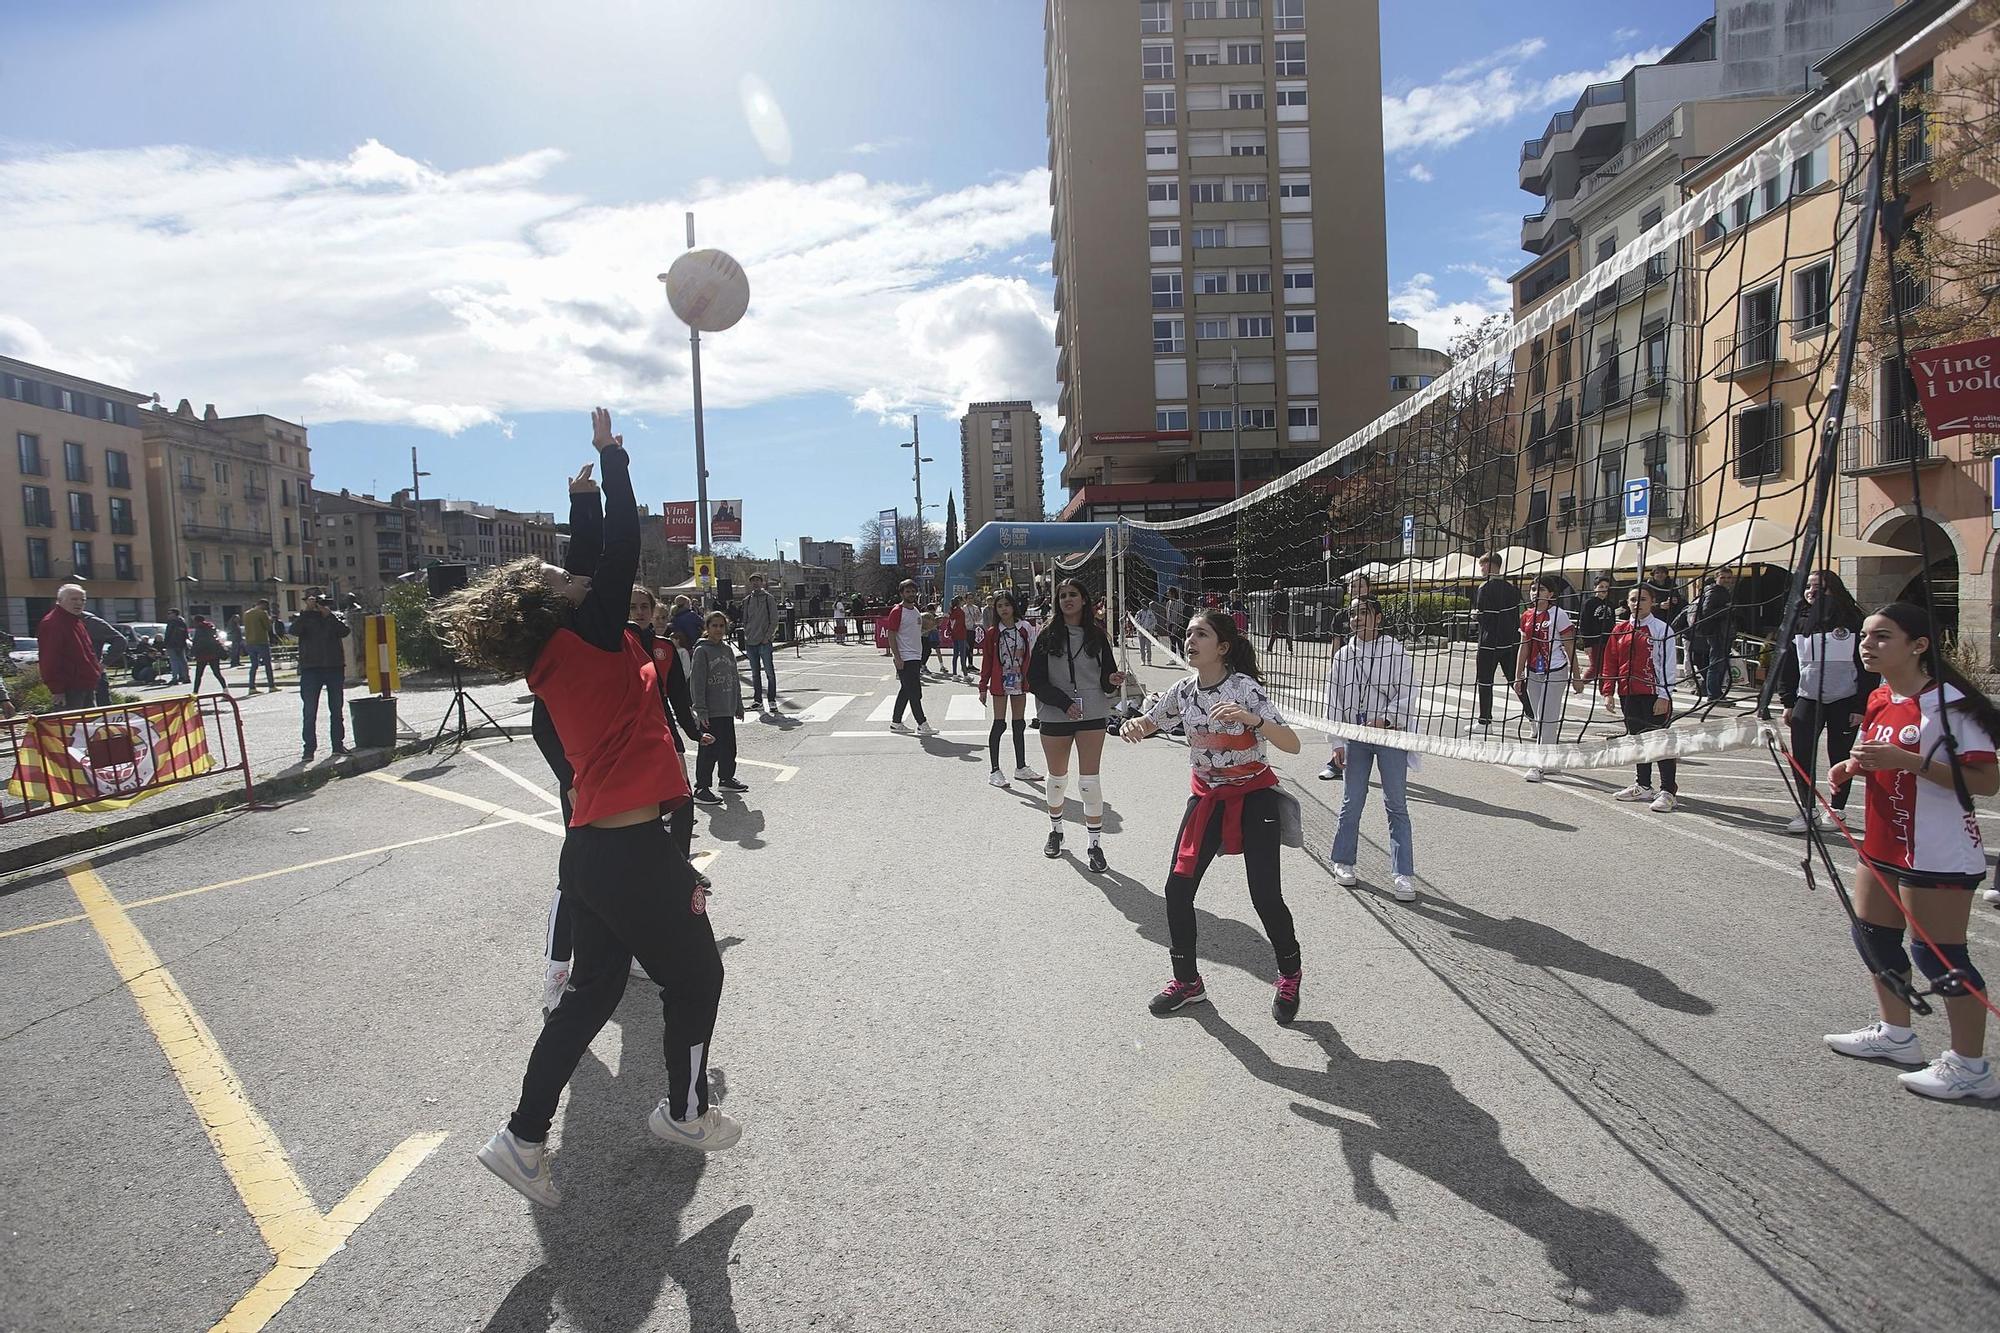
x=1522 y=560
x=1374 y=569
x=1618 y=553
x=1454 y=568
x=1761 y=541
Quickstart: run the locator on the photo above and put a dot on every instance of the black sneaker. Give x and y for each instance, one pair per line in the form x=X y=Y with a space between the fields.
x=306 y=758
x=1098 y=864
x=1053 y=847
x=731 y=784
x=1286 y=1006
x=1177 y=994
x=703 y=796
x=340 y=747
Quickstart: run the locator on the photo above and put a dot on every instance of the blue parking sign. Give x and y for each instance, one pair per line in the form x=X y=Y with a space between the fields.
x=1638 y=506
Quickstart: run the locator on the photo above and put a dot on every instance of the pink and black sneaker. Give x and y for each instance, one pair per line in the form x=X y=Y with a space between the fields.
x=1177 y=994
x=1285 y=1007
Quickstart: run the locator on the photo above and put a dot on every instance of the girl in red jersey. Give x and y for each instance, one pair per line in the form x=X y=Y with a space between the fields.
x=633 y=895
x=1921 y=847
x=1638 y=671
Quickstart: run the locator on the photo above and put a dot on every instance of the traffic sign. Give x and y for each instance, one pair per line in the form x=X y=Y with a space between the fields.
x=930 y=571
x=1409 y=534
x=1638 y=507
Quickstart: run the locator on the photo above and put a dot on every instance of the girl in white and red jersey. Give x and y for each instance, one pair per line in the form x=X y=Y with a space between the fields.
x=633 y=895
x=1638 y=671
x=1921 y=847
x=1545 y=665
x=1234 y=809
x=1003 y=677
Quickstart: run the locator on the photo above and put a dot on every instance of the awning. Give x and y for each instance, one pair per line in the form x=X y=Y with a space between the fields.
x=1761 y=541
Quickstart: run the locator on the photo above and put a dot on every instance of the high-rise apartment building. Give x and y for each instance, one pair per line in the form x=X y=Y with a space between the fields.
x=1000 y=448
x=83 y=516
x=1220 y=259
x=363 y=546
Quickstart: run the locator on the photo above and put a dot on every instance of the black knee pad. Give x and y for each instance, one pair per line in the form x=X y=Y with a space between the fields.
x=1881 y=947
x=1949 y=968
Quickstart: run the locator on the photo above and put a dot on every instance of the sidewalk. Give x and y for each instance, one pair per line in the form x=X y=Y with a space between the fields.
x=271 y=736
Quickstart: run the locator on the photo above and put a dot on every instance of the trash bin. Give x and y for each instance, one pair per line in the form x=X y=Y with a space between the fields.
x=374 y=722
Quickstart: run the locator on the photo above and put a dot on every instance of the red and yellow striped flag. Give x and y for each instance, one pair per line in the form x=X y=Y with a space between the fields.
x=107 y=758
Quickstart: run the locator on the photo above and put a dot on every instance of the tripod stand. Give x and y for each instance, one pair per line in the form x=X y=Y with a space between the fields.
x=459 y=699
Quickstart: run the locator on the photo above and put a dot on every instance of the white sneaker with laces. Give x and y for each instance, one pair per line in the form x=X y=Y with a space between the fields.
x=1633 y=793
x=997 y=779
x=1534 y=775
x=1404 y=889
x=1800 y=823
x=711 y=1131
x=555 y=981
x=1026 y=774
x=525 y=1166
x=927 y=730
x=1329 y=773
x=1664 y=803
x=1951 y=1076
x=899 y=728
x=1344 y=876
x=1873 y=1043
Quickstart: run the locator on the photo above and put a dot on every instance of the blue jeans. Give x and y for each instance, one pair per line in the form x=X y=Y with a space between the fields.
x=1395 y=768
x=1715 y=676
x=760 y=653
x=261 y=653
x=311 y=681
x=961 y=654
x=177 y=662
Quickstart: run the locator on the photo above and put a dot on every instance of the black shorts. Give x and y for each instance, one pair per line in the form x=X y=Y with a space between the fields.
x=1926 y=879
x=1065 y=727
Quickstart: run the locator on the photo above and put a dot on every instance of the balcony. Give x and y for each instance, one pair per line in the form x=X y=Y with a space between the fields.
x=1227 y=118
x=1749 y=350
x=1884 y=446
x=1594 y=124
x=256 y=495
x=191 y=483
x=83 y=522
x=130 y=574
x=40 y=518
x=120 y=480
x=81 y=473
x=1224 y=210
x=1557 y=445
x=233 y=536
x=34 y=467
x=1602 y=393
x=124 y=527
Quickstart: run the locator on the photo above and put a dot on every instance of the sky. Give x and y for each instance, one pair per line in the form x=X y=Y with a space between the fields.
x=439 y=225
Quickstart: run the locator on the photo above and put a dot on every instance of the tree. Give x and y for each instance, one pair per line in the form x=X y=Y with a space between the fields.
x=873 y=579
x=951 y=542
x=1453 y=465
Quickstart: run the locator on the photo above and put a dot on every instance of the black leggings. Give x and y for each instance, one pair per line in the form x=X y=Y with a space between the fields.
x=1640 y=719
x=562 y=916
x=1260 y=865
x=216 y=669
x=721 y=754
x=634 y=897
x=1809 y=718
x=1486 y=661
x=911 y=695
x=1020 y=742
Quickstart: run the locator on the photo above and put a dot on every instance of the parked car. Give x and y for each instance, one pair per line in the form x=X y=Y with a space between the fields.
x=26 y=651
x=145 y=631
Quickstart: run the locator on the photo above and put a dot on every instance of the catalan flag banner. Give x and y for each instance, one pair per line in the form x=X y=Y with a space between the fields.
x=107 y=758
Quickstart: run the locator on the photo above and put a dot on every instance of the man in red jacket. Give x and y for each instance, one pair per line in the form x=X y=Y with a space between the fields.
x=69 y=663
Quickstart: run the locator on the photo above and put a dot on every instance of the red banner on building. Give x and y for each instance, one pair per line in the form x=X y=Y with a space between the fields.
x=105 y=759
x=1959 y=388
x=677 y=516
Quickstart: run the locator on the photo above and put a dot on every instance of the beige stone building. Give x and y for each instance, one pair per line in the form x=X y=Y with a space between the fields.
x=232 y=506
x=364 y=546
x=82 y=514
x=1000 y=451
x=1219 y=249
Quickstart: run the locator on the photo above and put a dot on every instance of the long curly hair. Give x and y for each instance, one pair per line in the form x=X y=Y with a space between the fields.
x=501 y=621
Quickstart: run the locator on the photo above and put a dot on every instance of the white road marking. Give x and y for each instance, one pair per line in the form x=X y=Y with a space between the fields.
x=823 y=708
x=786 y=772
x=886 y=734
x=524 y=783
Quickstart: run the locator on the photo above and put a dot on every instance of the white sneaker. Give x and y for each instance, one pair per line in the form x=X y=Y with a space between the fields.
x=1950 y=1077
x=1534 y=775
x=1633 y=793
x=1800 y=823
x=1329 y=773
x=1991 y=896
x=1404 y=889
x=1872 y=1043
x=525 y=1166
x=1026 y=774
x=997 y=779
x=1343 y=875
x=927 y=730
x=1663 y=804
x=555 y=981
x=899 y=728
x=711 y=1131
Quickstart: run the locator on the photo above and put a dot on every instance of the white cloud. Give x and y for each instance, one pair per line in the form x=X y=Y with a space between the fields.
x=1419 y=172
x=1625 y=36
x=379 y=288
x=868 y=148
x=1437 y=320
x=1485 y=93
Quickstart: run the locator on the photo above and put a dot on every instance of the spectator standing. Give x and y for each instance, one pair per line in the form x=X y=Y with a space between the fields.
x=760 y=627
x=235 y=625
x=257 y=642
x=108 y=646
x=1715 y=628
x=68 y=661
x=687 y=622
x=1497 y=606
x=322 y=668
x=1280 y=611
x=177 y=647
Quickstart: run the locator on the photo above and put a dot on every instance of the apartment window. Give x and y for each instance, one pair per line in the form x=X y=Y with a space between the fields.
x=1169 y=335
x=1211 y=282
x=1205 y=97
x=1606 y=247
x=1249 y=192
x=1159 y=104
x=1166 y=291
x=1244 y=53
x=1656 y=462
x=29 y=449
x=1650 y=218
x=1170 y=418
x=1206 y=192
x=1290 y=58
x=1200 y=55
x=121 y=517
x=1295 y=187
x=36 y=510
x=1812 y=296
x=1807 y=172
x=1215 y=418
x=1760 y=442
x=1211 y=328
x=1249 y=233
x=82 y=518
x=1288 y=15
x=1163 y=150
x=1538 y=369
x=1216 y=374
x=74 y=468
x=1164 y=242
x=1258 y=370
x=1204 y=9
x=222 y=472
x=1156 y=61
x=1210 y=238
x=1253 y=280
x=121 y=563
x=1156 y=16
x=1298 y=284
x=1163 y=192
x=117 y=470
x=1299 y=323
x=1246 y=99
x=66 y=400
x=1302 y=374
x=1291 y=103
x=1562 y=357
x=1295 y=147
x=1247 y=145
x=38 y=558
x=1611 y=470
x=1242 y=9
x=1302 y=414
x=1295 y=237
x=1260 y=418
x=1254 y=326
x=1652 y=365
x=1170 y=378
x=228 y=567
x=80 y=559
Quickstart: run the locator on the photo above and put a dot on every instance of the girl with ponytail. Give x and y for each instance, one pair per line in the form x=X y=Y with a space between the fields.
x=1073 y=673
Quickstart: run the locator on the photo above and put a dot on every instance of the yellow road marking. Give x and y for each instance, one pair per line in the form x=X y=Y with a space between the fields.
x=252 y=879
x=786 y=772
x=469 y=802
x=265 y=1180
x=515 y=778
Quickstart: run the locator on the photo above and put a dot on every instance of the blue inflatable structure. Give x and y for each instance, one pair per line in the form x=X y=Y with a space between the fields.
x=995 y=542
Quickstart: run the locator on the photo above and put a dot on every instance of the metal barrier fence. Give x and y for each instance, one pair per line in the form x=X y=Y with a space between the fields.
x=121 y=747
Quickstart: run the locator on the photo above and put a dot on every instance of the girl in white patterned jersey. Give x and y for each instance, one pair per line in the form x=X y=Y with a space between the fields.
x=1003 y=677
x=1235 y=806
x=1545 y=665
x=1372 y=684
x=1922 y=848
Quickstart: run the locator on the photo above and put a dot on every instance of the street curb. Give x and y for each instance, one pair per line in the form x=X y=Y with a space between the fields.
x=152 y=818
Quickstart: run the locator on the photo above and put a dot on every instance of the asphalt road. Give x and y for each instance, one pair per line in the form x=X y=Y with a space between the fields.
x=1580 y=1081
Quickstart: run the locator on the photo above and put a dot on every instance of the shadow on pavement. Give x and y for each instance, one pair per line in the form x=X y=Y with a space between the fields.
x=1458 y=801
x=737 y=822
x=1218 y=939
x=1424 y=1123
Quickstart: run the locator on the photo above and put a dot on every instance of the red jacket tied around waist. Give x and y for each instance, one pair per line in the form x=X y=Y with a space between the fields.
x=1227 y=795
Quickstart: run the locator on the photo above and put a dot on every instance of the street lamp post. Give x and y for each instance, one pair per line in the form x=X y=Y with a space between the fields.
x=917 y=460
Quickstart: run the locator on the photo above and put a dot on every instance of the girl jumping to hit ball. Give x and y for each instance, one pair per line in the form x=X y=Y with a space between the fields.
x=1235 y=806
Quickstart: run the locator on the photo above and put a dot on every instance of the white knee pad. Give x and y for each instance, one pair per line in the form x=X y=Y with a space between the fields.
x=1056 y=790
x=1091 y=787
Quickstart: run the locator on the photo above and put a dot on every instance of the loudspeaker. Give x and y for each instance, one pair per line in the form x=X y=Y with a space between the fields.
x=722 y=590
x=446 y=577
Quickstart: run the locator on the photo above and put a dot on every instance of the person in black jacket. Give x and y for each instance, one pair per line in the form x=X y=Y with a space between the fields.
x=1279 y=609
x=1712 y=630
x=1823 y=685
x=322 y=667
x=1599 y=618
x=177 y=646
x=1497 y=606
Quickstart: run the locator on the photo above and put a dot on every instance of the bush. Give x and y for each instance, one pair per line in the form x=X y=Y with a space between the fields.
x=417 y=645
x=1425 y=615
x=25 y=687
